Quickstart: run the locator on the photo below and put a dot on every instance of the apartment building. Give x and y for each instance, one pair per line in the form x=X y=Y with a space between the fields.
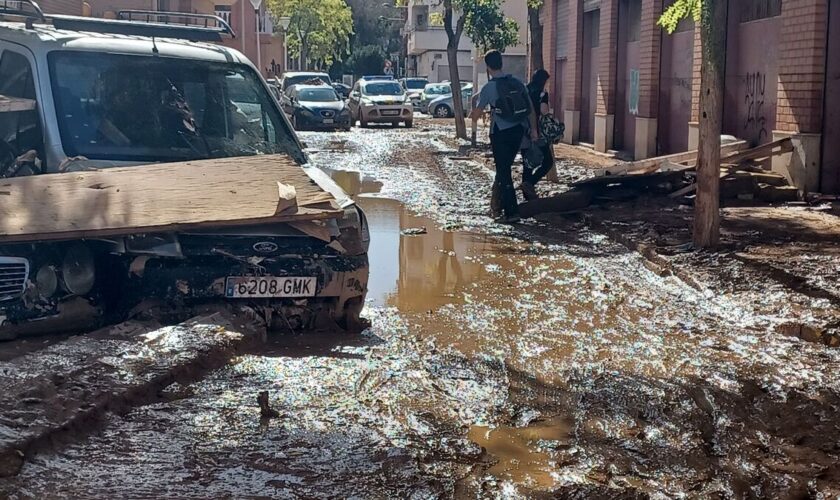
x=622 y=83
x=248 y=25
x=426 y=42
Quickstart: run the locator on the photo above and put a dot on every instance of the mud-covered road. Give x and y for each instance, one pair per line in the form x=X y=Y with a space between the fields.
x=533 y=361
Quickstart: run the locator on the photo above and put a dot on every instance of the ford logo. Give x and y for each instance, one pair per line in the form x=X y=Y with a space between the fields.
x=265 y=247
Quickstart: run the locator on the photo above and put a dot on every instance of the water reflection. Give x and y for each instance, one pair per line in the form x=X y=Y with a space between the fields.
x=416 y=272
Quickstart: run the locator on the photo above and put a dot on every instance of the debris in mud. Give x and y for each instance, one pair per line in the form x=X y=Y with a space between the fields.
x=266 y=411
x=414 y=231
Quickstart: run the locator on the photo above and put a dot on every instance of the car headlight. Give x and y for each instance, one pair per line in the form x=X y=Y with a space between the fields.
x=344 y=112
x=366 y=102
x=306 y=112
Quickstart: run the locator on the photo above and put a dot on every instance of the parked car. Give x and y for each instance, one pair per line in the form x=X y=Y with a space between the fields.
x=443 y=107
x=341 y=89
x=379 y=100
x=431 y=92
x=414 y=88
x=291 y=78
x=90 y=97
x=317 y=107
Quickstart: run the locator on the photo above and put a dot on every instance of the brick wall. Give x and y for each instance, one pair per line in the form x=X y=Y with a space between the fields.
x=607 y=67
x=802 y=65
x=67 y=7
x=574 y=46
x=695 y=74
x=649 y=54
x=548 y=18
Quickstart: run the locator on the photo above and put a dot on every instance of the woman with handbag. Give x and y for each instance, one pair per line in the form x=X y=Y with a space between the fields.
x=536 y=164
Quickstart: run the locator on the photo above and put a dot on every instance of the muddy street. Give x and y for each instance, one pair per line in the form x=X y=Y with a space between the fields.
x=538 y=360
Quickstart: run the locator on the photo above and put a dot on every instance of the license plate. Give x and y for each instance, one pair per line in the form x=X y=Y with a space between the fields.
x=329 y=120
x=390 y=112
x=268 y=286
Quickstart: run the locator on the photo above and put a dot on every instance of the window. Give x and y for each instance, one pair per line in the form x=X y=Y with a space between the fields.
x=223 y=11
x=143 y=108
x=383 y=88
x=20 y=131
x=318 y=95
x=266 y=23
x=753 y=10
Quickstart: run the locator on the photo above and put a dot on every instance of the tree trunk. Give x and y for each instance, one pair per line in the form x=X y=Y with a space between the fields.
x=707 y=203
x=535 y=30
x=457 y=102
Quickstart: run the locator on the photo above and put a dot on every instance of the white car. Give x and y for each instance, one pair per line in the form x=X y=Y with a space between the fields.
x=380 y=100
x=79 y=93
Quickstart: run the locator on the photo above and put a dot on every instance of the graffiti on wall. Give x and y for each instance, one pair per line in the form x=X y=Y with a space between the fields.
x=755 y=123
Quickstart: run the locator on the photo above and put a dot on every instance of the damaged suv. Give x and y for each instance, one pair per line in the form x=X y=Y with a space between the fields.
x=80 y=95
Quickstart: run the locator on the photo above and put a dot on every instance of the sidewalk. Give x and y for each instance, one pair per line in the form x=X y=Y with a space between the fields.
x=782 y=260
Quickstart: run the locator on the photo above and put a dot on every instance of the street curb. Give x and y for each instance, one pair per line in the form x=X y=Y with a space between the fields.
x=69 y=386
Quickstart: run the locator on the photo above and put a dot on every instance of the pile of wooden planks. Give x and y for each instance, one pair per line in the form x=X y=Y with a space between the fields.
x=743 y=175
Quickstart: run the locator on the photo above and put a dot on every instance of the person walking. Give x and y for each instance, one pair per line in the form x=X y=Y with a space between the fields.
x=513 y=120
x=531 y=174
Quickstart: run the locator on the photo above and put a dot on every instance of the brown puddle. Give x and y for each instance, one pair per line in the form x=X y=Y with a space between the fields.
x=417 y=271
x=518 y=450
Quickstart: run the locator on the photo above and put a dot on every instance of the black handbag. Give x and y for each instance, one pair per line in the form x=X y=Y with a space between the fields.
x=551 y=130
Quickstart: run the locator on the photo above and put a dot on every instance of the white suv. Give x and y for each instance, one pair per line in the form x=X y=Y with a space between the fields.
x=79 y=93
x=380 y=100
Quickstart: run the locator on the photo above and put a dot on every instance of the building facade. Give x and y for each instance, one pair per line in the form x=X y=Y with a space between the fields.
x=620 y=82
x=248 y=25
x=426 y=43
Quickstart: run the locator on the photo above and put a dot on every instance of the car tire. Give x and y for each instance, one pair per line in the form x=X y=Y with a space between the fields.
x=409 y=124
x=363 y=123
x=442 y=111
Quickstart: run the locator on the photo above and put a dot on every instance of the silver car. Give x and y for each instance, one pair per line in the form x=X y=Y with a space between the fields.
x=442 y=107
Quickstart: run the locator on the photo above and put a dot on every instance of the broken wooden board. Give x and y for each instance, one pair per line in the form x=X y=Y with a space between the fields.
x=163 y=197
x=11 y=104
x=688 y=158
x=774 y=148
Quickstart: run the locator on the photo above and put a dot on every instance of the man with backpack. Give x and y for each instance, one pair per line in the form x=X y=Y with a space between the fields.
x=513 y=121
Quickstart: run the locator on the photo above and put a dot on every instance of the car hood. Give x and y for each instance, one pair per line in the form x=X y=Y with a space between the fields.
x=387 y=99
x=337 y=105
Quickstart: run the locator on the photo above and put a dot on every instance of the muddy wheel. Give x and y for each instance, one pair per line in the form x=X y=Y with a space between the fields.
x=362 y=122
x=442 y=111
x=409 y=124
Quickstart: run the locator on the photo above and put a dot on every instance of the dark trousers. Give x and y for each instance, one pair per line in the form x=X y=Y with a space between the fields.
x=505 y=145
x=533 y=176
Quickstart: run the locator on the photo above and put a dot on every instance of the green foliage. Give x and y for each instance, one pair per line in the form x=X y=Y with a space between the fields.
x=679 y=10
x=319 y=30
x=366 y=60
x=487 y=26
x=535 y=4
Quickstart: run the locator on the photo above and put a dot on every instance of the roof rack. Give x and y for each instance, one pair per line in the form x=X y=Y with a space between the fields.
x=15 y=8
x=181 y=25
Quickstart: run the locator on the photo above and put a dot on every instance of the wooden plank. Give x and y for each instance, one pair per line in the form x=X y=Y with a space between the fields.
x=156 y=198
x=10 y=104
x=688 y=157
x=774 y=148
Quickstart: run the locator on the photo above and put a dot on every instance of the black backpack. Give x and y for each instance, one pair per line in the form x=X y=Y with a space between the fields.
x=513 y=104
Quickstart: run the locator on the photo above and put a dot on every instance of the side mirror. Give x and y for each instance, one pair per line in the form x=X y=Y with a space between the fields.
x=354 y=94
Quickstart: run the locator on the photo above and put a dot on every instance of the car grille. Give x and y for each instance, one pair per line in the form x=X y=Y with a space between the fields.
x=14 y=272
x=327 y=113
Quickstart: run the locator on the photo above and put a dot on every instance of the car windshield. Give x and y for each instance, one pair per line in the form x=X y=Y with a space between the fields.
x=383 y=88
x=438 y=89
x=415 y=84
x=318 y=95
x=143 y=108
x=305 y=77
